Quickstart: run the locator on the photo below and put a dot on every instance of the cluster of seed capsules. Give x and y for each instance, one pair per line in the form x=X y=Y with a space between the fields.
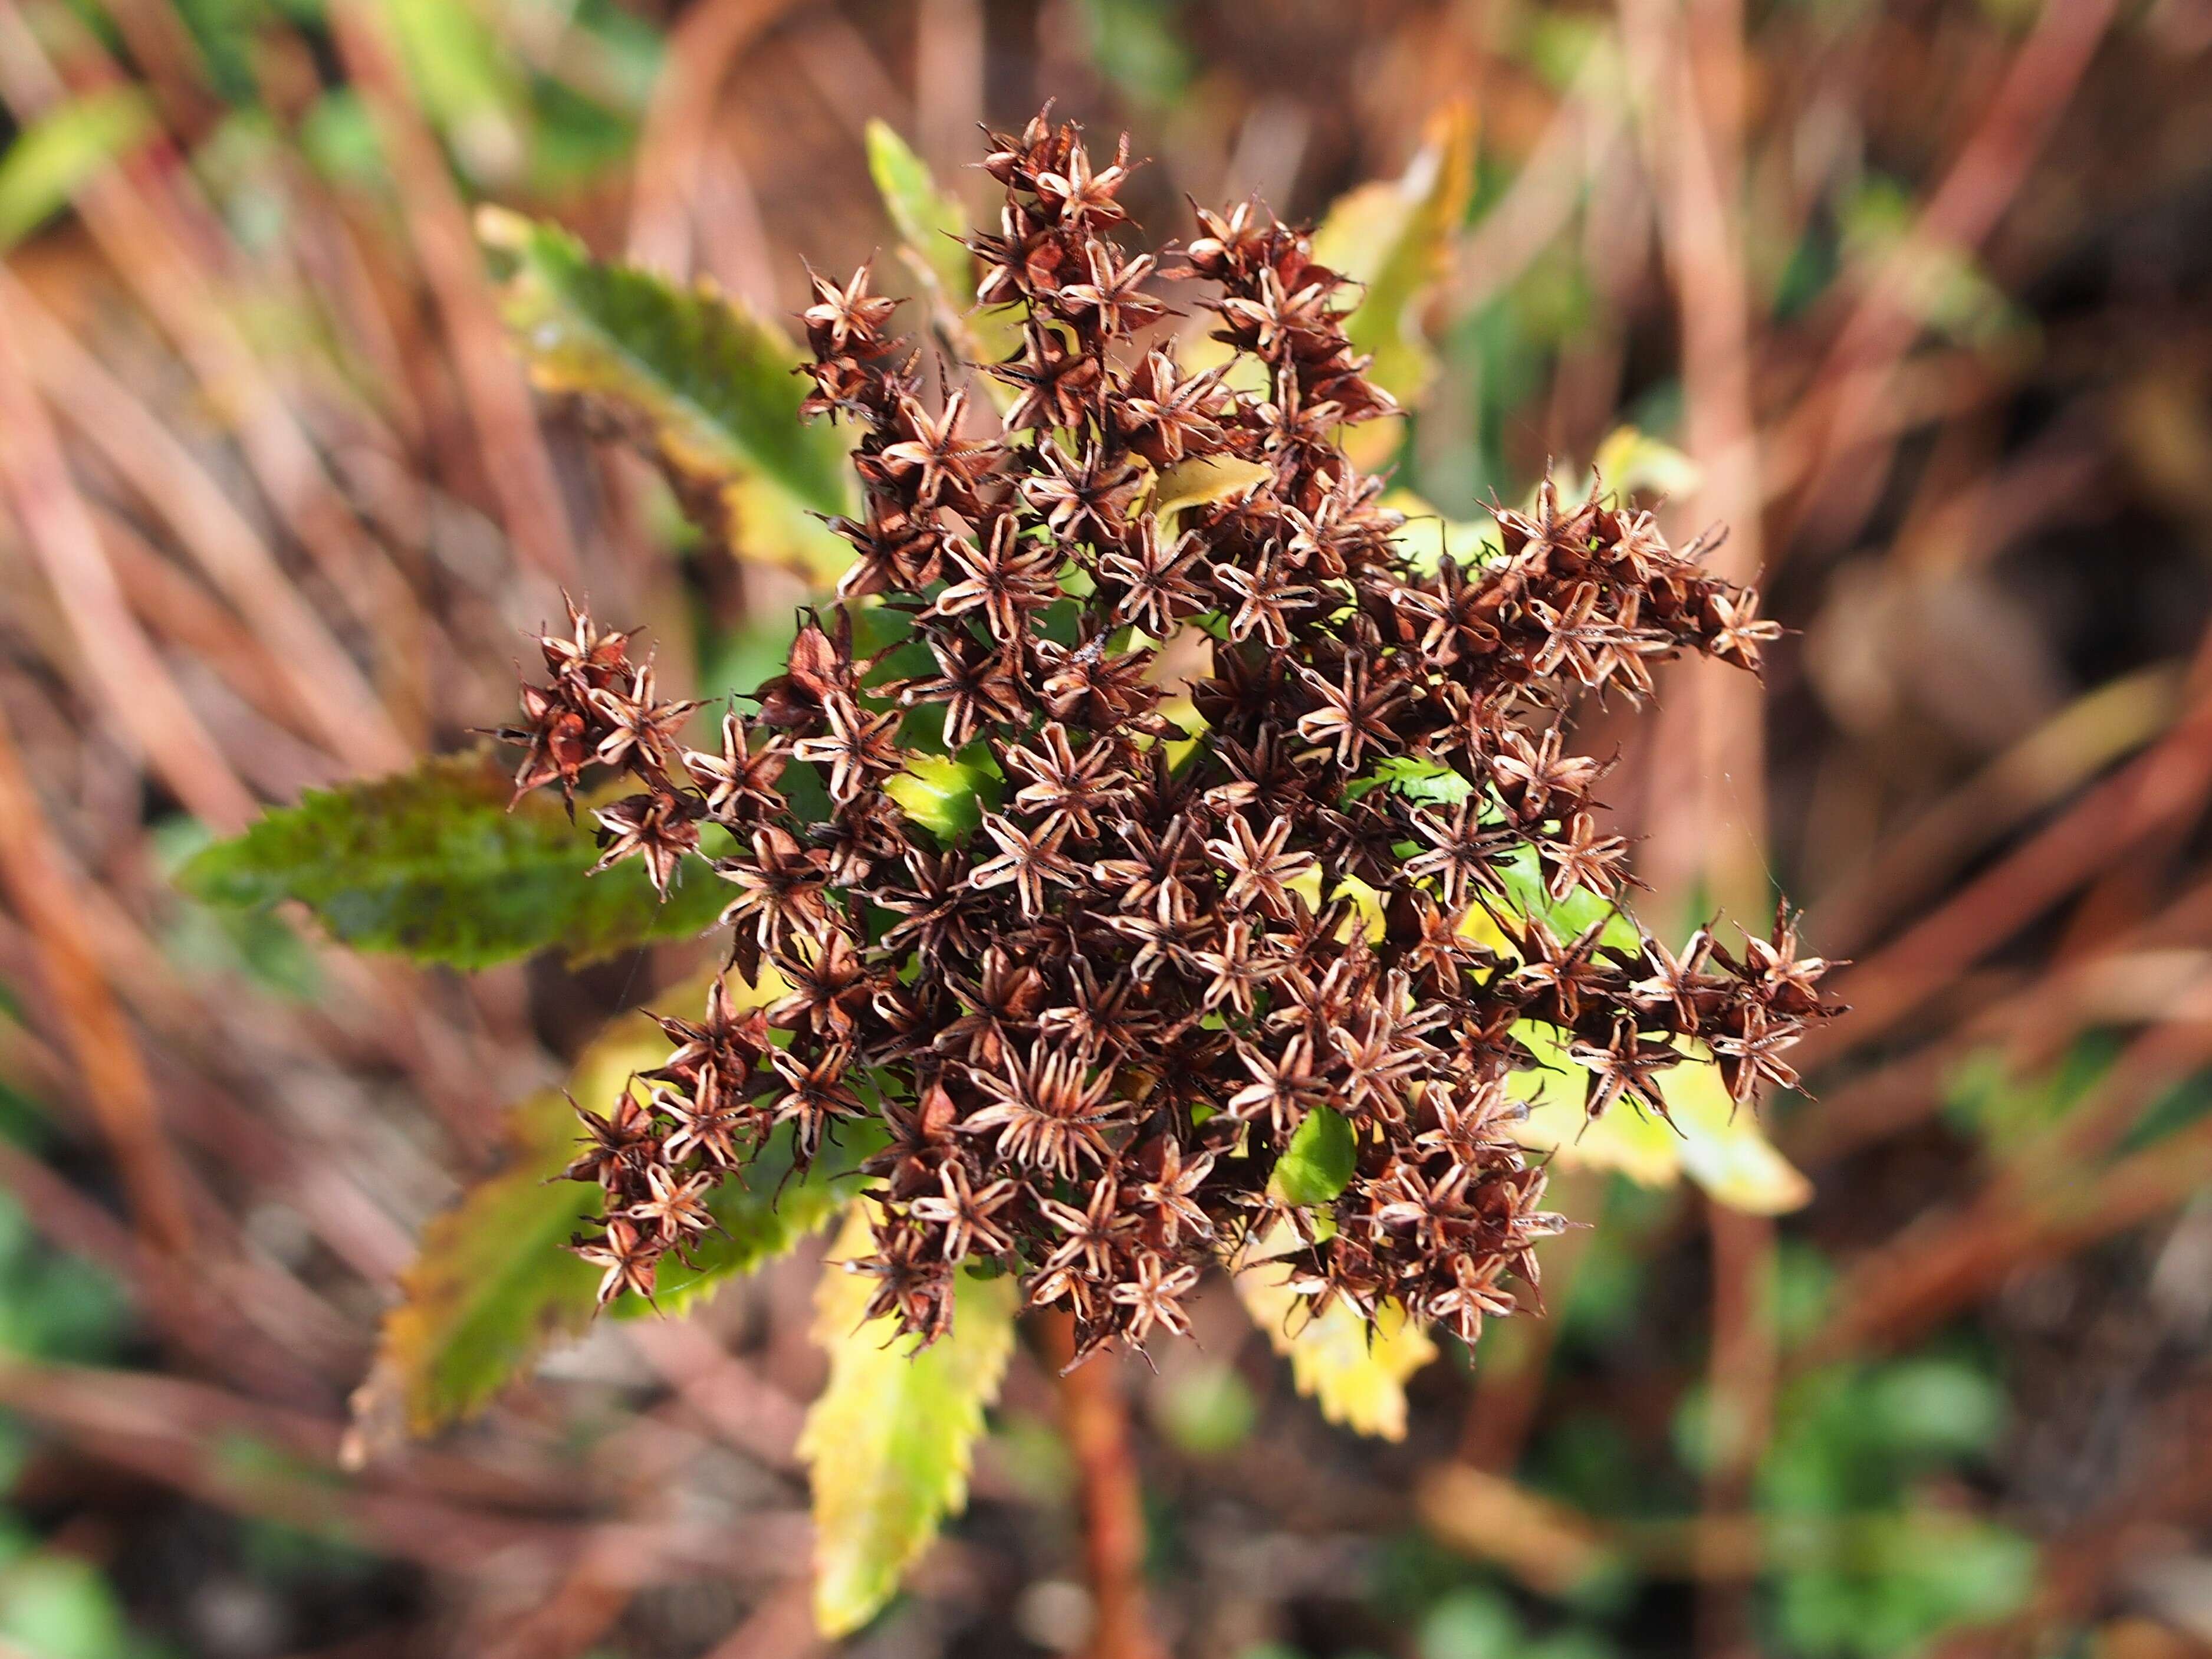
x=1276 y=818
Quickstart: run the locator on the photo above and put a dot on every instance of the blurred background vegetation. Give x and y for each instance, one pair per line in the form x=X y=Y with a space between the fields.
x=1916 y=297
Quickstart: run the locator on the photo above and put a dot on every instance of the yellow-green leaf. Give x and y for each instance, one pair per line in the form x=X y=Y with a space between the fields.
x=491 y=1283
x=1394 y=237
x=1426 y=536
x=946 y=794
x=1632 y=463
x=1717 y=1143
x=1201 y=479
x=54 y=156
x=1318 y=1163
x=706 y=385
x=891 y=1439
x=930 y=221
x=1357 y=1376
x=1628 y=463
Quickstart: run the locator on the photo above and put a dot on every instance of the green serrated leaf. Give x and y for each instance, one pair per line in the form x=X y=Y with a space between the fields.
x=1523 y=878
x=1395 y=238
x=58 y=152
x=891 y=1439
x=430 y=863
x=1317 y=1164
x=696 y=377
x=762 y=1217
x=1356 y=1374
x=492 y=1284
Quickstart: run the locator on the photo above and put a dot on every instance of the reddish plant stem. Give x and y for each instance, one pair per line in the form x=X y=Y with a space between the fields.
x=1096 y=1417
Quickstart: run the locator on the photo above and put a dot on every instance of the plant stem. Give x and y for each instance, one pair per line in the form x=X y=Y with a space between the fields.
x=1096 y=1418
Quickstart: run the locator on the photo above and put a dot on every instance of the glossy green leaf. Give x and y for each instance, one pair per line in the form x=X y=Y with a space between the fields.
x=946 y=794
x=689 y=373
x=430 y=863
x=493 y=1284
x=891 y=1439
x=1317 y=1164
x=54 y=156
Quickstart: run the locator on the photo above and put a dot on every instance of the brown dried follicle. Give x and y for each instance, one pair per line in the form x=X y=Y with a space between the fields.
x=1092 y=1026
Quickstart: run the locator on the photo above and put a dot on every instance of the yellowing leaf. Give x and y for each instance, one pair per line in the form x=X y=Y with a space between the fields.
x=931 y=222
x=1632 y=463
x=55 y=155
x=1394 y=237
x=1358 y=1379
x=891 y=1439
x=1549 y=1546
x=1426 y=536
x=491 y=1283
x=1201 y=479
x=692 y=375
x=1720 y=1146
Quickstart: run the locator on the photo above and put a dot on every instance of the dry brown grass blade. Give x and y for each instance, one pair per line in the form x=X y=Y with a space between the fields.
x=2137 y=976
x=515 y=460
x=2164 y=785
x=39 y=887
x=195 y=1309
x=1713 y=831
x=176 y=1433
x=170 y=481
x=2049 y=1200
x=115 y=656
x=135 y=230
x=729 y=1396
x=781 y=1627
x=2040 y=770
x=1542 y=201
x=1837 y=419
x=672 y=147
x=1096 y=1416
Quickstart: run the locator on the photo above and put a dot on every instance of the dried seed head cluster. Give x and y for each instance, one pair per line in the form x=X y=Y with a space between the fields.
x=1277 y=821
